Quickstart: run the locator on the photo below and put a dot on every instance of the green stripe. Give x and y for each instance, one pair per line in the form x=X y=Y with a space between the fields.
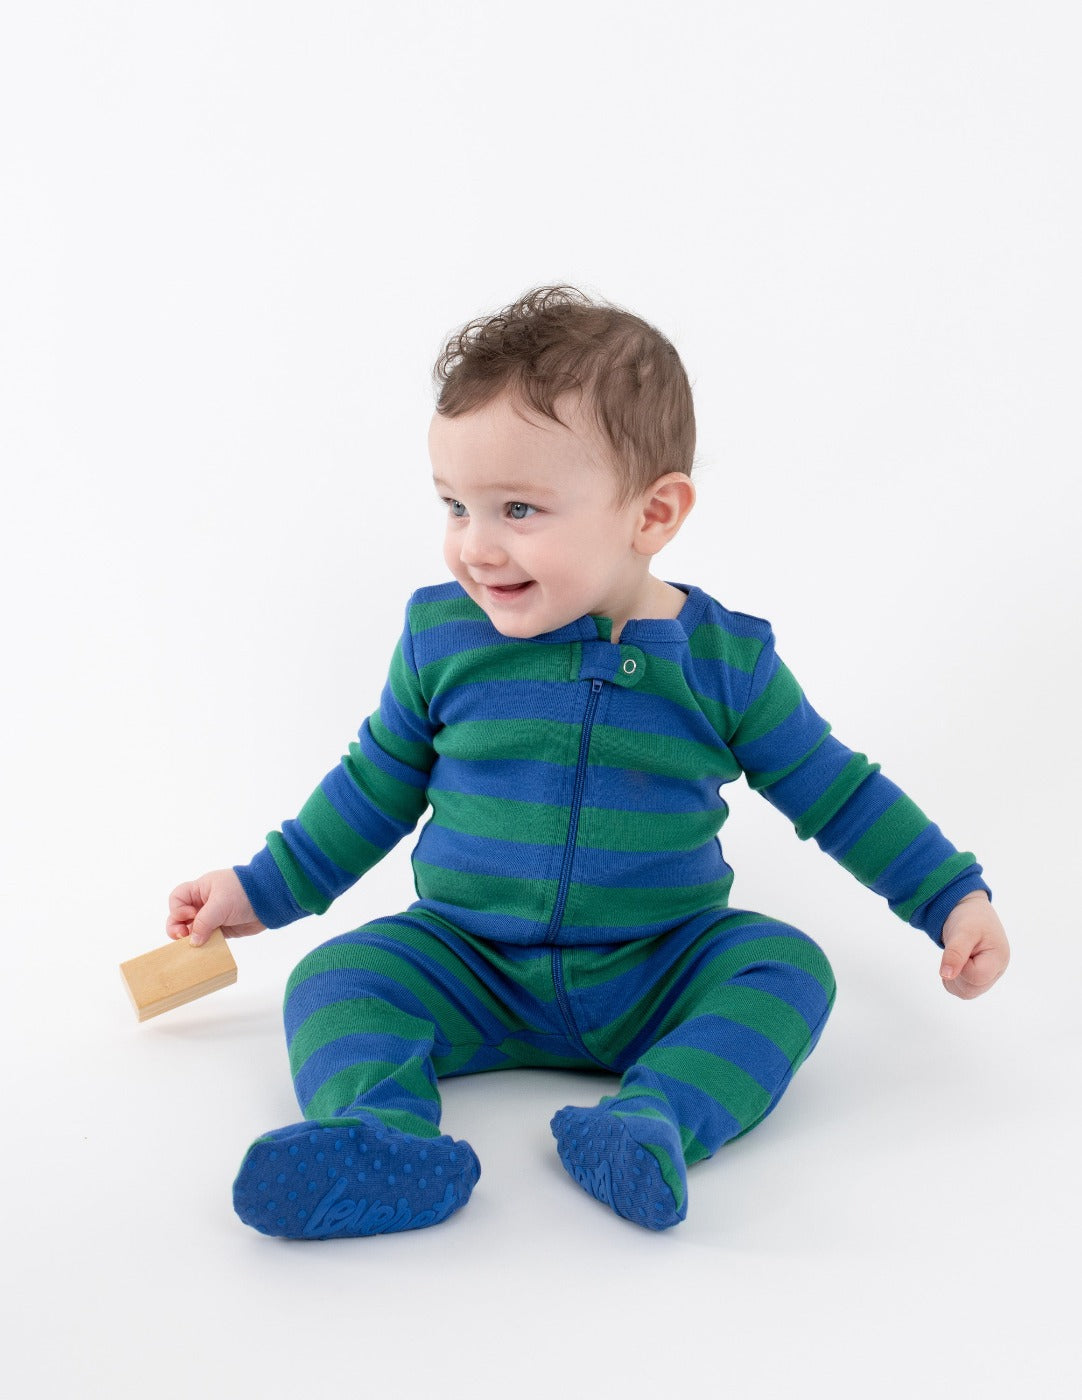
x=600 y=828
x=600 y=906
x=759 y=782
x=661 y=755
x=359 y=957
x=837 y=794
x=509 y=739
x=422 y=616
x=667 y=681
x=521 y=897
x=526 y=897
x=411 y=752
x=710 y=642
x=607 y=829
x=884 y=841
x=368 y=957
x=711 y=990
x=344 y=1088
x=499 y=664
x=622 y=960
x=397 y=799
x=398 y=1118
x=941 y=876
x=720 y=1079
x=500 y=818
x=522 y=1053
x=335 y=837
x=749 y=1006
x=371 y=1015
x=405 y=686
x=773 y=707
x=300 y=887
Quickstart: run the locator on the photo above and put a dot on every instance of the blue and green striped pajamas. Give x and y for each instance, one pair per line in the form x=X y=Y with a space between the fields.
x=572 y=907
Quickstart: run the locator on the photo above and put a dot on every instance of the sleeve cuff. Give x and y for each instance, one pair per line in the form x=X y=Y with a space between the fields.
x=933 y=915
x=267 y=892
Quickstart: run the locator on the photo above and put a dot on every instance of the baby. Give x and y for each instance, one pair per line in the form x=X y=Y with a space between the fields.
x=571 y=720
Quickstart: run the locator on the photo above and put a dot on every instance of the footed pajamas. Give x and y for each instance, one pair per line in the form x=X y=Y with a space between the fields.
x=572 y=912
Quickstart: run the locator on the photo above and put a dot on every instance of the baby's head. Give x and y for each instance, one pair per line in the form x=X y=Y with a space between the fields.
x=562 y=444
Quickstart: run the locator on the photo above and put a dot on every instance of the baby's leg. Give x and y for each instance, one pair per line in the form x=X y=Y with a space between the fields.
x=715 y=1025
x=371 y=1018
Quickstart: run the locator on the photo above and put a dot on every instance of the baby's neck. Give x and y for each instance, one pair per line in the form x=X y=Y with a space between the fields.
x=657 y=600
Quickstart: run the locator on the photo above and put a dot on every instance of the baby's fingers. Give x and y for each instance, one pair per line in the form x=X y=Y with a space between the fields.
x=976 y=976
x=186 y=896
x=956 y=955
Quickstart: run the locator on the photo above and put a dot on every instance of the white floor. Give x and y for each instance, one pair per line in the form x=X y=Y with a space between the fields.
x=906 y=1222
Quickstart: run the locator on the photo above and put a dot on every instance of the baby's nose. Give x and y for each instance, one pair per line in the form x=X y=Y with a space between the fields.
x=478 y=544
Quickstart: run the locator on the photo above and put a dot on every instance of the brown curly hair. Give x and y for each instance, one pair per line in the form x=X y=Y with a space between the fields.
x=555 y=339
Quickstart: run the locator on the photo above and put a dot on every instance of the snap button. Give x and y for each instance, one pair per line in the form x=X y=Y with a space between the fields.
x=631 y=666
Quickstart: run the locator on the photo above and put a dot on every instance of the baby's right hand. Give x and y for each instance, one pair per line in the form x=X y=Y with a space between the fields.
x=215 y=900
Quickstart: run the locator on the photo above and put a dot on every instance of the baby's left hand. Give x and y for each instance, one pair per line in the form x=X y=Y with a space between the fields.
x=975 y=946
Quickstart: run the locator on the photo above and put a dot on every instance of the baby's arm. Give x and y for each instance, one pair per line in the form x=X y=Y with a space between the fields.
x=373 y=798
x=215 y=900
x=976 y=951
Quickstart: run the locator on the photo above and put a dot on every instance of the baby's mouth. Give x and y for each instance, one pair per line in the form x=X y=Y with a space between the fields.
x=508 y=590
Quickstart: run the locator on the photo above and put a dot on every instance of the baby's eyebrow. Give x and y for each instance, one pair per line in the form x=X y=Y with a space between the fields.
x=513 y=490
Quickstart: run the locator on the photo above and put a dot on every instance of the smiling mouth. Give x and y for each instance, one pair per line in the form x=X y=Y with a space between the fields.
x=507 y=590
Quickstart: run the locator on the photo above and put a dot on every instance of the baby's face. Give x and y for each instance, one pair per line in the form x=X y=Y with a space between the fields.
x=534 y=532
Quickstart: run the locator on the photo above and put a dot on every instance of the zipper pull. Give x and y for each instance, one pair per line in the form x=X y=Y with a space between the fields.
x=597 y=685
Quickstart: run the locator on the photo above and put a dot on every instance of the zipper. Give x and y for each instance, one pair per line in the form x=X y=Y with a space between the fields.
x=576 y=803
x=564 y=1003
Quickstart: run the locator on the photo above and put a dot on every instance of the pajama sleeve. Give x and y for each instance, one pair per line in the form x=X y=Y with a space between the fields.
x=360 y=810
x=854 y=812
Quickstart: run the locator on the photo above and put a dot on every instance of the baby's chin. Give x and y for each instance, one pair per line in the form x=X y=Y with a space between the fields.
x=519 y=628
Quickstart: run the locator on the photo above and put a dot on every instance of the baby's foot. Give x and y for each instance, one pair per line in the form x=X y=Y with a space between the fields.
x=356 y=1176
x=598 y=1148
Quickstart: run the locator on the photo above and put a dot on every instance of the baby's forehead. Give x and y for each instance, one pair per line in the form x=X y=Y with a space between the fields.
x=509 y=431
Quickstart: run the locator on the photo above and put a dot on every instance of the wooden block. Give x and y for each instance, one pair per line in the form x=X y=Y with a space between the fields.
x=170 y=976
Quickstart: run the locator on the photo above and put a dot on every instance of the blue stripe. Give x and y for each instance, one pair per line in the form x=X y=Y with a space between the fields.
x=270 y=897
x=360 y=813
x=750 y=1050
x=861 y=810
x=508 y=700
x=794 y=794
x=382 y=760
x=318 y=869
x=618 y=789
x=604 y=869
x=401 y=721
x=506 y=928
x=903 y=875
x=787 y=743
x=336 y=1055
x=695 y=1109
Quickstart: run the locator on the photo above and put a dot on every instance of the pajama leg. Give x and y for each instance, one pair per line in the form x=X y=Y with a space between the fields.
x=371 y=1019
x=716 y=1024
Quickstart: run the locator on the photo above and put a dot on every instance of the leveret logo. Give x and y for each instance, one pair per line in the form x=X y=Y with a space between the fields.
x=339 y=1214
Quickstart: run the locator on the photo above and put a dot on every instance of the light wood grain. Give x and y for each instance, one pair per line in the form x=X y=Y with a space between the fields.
x=177 y=973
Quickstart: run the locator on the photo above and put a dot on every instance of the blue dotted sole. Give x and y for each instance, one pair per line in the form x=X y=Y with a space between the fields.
x=599 y=1152
x=355 y=1178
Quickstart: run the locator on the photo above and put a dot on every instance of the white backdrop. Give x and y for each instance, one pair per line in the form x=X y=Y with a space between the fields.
x=233 y=239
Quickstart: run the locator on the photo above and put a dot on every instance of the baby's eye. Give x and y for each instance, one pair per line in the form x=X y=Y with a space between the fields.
x=457 y=509
x=519 y=510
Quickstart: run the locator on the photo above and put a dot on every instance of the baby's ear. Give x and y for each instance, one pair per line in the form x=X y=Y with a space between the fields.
x=666 y=504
